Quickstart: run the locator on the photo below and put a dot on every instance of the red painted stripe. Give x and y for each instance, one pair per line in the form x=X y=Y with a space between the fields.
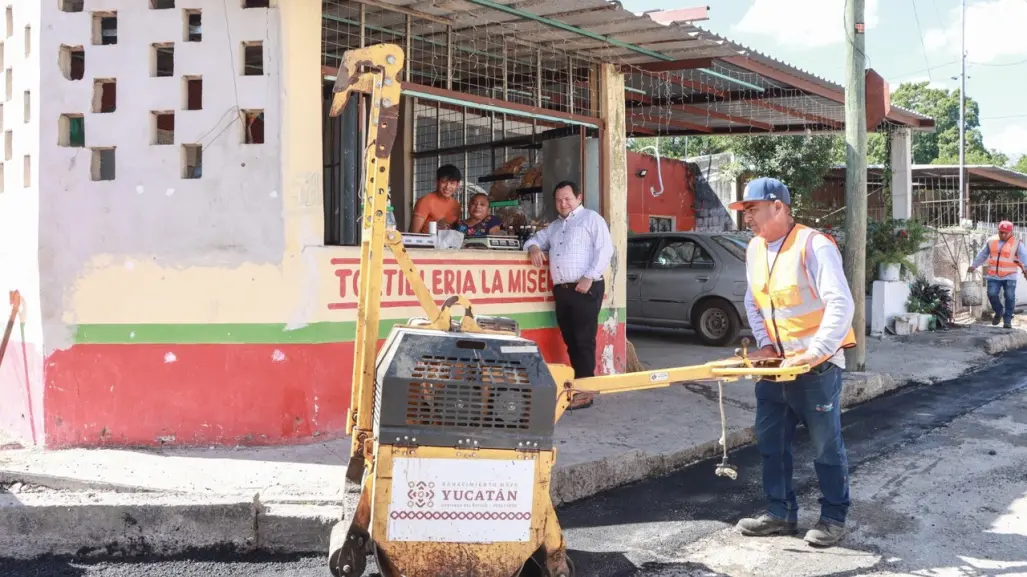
x=139 y=394
x=433 y=261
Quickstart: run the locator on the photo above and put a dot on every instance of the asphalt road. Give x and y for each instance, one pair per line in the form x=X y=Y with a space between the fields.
x=939 y=487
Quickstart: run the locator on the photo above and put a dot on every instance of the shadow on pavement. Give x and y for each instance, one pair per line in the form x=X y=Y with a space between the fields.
x=45 y=567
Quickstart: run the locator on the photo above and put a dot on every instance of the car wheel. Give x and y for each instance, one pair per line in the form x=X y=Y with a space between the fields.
x=716 y=323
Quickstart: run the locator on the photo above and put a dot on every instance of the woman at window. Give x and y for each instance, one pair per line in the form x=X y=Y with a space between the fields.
x=479 y=222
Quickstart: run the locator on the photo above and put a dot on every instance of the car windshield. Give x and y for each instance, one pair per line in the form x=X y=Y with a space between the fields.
x=734 y=245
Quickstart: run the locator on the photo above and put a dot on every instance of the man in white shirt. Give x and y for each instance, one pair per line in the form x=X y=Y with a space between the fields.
x=580 y=249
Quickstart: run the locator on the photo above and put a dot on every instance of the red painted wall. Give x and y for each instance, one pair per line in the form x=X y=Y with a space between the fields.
x=677 y=200
x=221 y=394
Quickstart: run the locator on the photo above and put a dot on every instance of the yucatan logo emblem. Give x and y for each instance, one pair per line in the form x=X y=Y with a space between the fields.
x=421 y=494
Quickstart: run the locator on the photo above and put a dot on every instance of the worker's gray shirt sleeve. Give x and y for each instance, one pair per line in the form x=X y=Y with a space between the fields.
x=824 y=262
x=1021 y=253
x=752 y=312
x=981 y=256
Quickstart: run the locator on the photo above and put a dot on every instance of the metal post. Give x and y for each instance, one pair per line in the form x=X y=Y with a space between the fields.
x=856 y=177
x=962 y=112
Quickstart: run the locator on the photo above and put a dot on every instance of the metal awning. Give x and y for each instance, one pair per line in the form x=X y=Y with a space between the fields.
x=978 y=176
x=679 y=78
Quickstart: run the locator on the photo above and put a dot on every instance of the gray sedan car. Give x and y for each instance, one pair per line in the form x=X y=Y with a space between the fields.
x=689 y=280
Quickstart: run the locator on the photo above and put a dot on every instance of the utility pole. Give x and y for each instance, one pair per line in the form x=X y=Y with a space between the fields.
x=856 y=176
x=962 y=113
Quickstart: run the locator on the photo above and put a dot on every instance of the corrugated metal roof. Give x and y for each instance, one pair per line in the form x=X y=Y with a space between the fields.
x=799 y=98
x=980 y=176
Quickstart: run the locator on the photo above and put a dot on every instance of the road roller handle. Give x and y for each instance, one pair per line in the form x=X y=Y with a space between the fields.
x=739 y=366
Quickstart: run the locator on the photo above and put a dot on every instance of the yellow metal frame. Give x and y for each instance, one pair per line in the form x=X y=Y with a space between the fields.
x=374 y=70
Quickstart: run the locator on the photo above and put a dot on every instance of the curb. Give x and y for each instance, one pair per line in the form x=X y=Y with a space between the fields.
x=105 y=520
x=103 y=525
x=1007 y=342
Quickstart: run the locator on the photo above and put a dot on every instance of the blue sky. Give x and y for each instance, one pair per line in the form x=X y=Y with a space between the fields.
x=809 y=34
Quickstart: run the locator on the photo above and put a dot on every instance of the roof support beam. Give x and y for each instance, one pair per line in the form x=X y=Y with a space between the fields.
x=696 y=85
x=662 y=121
x=698 y=112
x=732 y=96
x=749 y=130
x=780 y=76
x=670 y=65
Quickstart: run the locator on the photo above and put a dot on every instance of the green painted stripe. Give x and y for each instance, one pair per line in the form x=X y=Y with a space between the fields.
x=270 y=333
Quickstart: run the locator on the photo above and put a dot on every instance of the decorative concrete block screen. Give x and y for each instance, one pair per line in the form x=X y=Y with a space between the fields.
x=159 y=125
x=143 y=94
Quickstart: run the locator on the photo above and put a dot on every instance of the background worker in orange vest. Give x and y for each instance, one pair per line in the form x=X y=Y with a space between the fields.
x=800 y=308
x=1006 y=255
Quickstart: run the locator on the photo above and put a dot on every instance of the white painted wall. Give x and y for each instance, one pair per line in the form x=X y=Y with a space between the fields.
x=21 y=368
x=232 y=214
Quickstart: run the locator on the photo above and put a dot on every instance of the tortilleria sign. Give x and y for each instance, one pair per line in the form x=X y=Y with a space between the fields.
x=483 y=281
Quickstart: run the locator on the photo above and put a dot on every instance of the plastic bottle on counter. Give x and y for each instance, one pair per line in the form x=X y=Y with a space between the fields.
x=390 y=219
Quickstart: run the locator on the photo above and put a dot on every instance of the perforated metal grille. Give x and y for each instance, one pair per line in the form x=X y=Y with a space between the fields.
x=480 y=394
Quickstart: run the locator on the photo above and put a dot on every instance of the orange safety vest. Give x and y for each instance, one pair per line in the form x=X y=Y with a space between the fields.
x=784 y=292
x=1002 y=261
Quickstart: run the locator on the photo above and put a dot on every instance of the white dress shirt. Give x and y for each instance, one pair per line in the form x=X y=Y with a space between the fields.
x=824 y=263
x=579 y=246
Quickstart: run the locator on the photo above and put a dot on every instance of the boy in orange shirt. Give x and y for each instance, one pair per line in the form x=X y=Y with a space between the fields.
x=438 y=206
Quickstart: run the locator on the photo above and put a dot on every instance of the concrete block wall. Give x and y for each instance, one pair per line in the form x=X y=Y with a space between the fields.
x=148 y=93
x=716 y=187
x=21 y=393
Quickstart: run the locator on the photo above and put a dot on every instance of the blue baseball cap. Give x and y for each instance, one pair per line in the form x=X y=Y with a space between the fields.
x=763 y=190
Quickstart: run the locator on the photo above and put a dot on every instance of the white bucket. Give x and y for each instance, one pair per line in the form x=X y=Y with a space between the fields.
x=970 y=293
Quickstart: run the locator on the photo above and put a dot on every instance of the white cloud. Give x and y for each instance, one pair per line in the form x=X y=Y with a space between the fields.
x=802 y=24
x=933 y=82
x=994 y=31
x=1011 y=141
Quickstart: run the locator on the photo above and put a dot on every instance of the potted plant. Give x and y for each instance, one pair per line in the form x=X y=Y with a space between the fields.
x=890 y=247
x=932 y=302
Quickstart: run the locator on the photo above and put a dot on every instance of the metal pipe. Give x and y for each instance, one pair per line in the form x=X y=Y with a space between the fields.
x=962 y=113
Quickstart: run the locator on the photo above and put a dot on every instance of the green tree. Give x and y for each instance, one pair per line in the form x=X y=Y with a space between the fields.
x=1021 y=166
x=941 y=146
x=682 y=146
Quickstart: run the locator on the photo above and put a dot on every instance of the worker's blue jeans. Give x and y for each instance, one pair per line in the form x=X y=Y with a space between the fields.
x=1008 y=286
x=812 y=399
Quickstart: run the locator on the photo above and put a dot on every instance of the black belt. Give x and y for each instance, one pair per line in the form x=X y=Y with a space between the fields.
x=574 y=284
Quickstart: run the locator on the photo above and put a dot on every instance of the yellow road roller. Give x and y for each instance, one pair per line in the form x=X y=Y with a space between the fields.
x=452 y=420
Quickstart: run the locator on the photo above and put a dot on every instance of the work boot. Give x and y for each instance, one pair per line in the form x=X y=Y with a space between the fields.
x=765 y=525
x=1007 y=325
x=995 y=321
x=825 y=534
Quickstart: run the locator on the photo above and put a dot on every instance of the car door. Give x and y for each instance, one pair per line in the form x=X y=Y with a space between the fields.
x=679 y=273
x=639 y=254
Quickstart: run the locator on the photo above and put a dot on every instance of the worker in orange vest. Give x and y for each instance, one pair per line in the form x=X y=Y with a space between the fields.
x=800 y=308
x=1005 y=255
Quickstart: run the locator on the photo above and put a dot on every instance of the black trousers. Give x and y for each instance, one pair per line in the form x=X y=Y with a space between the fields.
x=577 y=315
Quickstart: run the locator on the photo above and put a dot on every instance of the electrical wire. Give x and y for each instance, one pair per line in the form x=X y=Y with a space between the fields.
x=923 y=46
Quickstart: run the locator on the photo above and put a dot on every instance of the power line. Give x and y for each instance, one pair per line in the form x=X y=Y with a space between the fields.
x=1001 y=117
x=923 y=46
x=912 y=72
x=1000 y=64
